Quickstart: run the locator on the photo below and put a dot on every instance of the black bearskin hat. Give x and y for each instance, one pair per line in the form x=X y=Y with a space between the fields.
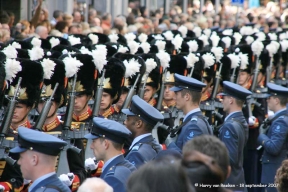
x=264 y=60
x=62 y=40
x=198 y=69
x=102 y=38
x=60 y=48
x=177 y=64
x=2 y=83
x=246 y=49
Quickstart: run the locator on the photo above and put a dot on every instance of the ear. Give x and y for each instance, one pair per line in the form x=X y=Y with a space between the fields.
x=139 y=123
x=106 y=143
x=34 y=159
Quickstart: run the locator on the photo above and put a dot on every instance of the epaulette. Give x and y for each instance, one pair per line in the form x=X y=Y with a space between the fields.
x=194 y=118
x=136 y=147
x=111 y=171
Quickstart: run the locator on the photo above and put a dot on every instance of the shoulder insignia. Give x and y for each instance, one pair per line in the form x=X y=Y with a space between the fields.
x=111 y=171
x=136 y=147
x=281 y=117
x=227 y=135
x=133 y=163
x=194 y=119
x=191 y=135
x=277 y=129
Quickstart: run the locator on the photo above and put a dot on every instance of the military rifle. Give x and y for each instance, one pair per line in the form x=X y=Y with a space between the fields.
x=162 y=89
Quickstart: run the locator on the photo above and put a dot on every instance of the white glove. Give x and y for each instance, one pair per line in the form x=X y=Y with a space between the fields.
x=25 y=182
x=67 y=179
x=90 y=164
x=252 y=120
x=2 y=188
x=270 y=114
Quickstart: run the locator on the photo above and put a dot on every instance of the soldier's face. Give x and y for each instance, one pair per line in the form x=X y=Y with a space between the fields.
x=271 y=102
x=98 y=148
x=244 y=77
x=130 y=123
x=168 y=95
x=148 y=93
x=121 y=100
x=179 y=99
x=25 y=164
x=80 y=103
x=51 y=111
x=20 y=113
x=106 y=101
x=226 y=103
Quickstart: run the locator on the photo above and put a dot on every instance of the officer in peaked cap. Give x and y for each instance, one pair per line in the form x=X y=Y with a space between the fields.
x=108 y=140
x=273 y=138
x=234 y=131
x=188 y=95
x=141 y=119
x=38 y=156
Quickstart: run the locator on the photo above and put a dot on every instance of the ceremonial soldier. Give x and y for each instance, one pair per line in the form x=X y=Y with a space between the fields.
x=38 y=156
x=141 y=119
x=234 y=131
x=52 y=123
x=108 y=140
x=188 y=95
x=273 y=135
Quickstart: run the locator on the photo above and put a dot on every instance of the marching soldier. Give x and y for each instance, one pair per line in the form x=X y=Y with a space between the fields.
x=188 y=95
x=38 y=156
x=141 y=119
x=108 y=140
x=234 y=131
x=273 y=135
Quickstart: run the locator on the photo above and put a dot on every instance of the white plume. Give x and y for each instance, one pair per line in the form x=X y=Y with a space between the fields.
x=227 y=41
x=164 y=58
x=142 y=37
x=122 y=49
x=235 y=60
x=207 y=32
x=48 y=68
x=132 y=67
x=12 y=67
x=218 y=52
x=284 y=45
x=72 y=66
x=282 y=36
x=130 y=37
x=204 y=39
x=133 y=46
x=191 y=60
x=65 y=51
x=257 y=47
x=84 y=50
x=183 y=30
x=94 y=38
x=168 y=35
x=145 y=46
x=271 y=49
x=10 y=52
x=158 y=37
x=249 y=40
x=276 y=44
x=209 y=60
x=228 y=32
x=193 y=46
x=36 y=53
x=177 y=42
x=150 y=65
x=36 y=42
x=54 y=42
x=16 y=45
x=273 y=36
x=160 y=44
x=237 y=36
x=243 y=60
x=246 y=30
x=215 y=39
x=113 y=37
x=197 y=31
x=261 y=36
x=74 y=40
x=99 y=56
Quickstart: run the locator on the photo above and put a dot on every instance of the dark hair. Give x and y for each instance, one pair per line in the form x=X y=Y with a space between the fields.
x=150 y=178
x=60 y=25
x=210 y=146
x=283 y=100
x=4 y=17
x=196 y=96
x=281 y=178
x=239 y=103
x=57 y=13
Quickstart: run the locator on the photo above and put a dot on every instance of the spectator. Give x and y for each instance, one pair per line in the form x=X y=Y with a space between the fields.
x=281 y=178
x=68 y=18
x=62 y=26
x=4 y=36
x=46 y=24
x=77 y=17
x=73 y=30
x=11 y=19
x=150 y=177
x=106 y=21
x=57 y=16
x=92 y=14
x=95 y=184
x=41 y=31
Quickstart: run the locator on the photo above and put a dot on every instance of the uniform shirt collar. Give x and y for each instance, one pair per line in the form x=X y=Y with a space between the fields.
x=37 y=181
x=231 y=114
x=109 y=161
x=138 y=139
x=281 y=110
x=190 y=112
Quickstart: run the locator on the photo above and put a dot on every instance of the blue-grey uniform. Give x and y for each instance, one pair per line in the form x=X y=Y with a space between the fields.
x=41 y=142
x=274 y=141
x=144 y=147
x=194 y=123
x=234 y=133
x=116 y=170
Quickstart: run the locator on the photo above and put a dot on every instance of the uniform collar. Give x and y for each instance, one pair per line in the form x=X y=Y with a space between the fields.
x=137 y=139
x=83 y=116
x=52 y=125
x=37 y=181
x=280 y=111
x=108 y=112
x=230 y=114
x=106 y=164
x=191 y=112
x=152 y=102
